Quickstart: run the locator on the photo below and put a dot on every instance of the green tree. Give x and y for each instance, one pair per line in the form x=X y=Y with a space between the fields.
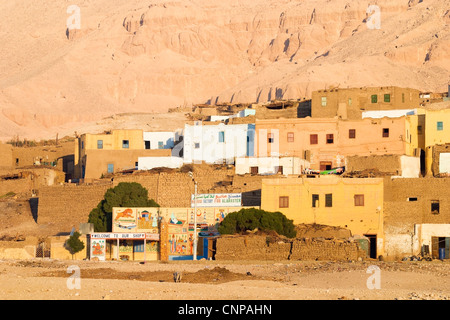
x=250 y=219
x=125 y=194
x=74 y=244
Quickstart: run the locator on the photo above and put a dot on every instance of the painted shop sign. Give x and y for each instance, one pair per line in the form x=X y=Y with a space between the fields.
x=217 y=200
x=131 y=236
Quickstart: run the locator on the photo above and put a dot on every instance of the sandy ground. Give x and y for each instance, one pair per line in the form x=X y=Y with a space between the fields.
x=214 y=280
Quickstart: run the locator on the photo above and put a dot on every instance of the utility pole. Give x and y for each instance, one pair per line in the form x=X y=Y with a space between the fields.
x=195 y=222
x=194 y=252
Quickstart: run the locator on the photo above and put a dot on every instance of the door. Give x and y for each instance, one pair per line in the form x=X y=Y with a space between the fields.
x=372 y=245
x=325 y=165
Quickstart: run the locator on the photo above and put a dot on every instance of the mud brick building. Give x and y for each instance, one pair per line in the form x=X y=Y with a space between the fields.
x=350 y=103
x=416 y=216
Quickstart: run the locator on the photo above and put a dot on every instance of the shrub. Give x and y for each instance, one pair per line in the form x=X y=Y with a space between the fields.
x=125 y=194
x=74 y=244
x=250 y=219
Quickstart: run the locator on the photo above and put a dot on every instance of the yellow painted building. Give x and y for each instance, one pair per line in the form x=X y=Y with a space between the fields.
x=437 y=132
x=355 y=204
x=99 y=154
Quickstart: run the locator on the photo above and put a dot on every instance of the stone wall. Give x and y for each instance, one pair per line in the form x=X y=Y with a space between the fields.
x=252 y=247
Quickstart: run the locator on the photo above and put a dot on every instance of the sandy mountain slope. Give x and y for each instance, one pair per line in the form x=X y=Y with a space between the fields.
x=150 y=55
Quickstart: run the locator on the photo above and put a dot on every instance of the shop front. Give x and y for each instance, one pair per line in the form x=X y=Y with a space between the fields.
x=124 y=246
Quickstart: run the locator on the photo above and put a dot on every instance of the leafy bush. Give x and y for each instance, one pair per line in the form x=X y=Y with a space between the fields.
x=125 y=194
x=74 y=243
x=250 y=219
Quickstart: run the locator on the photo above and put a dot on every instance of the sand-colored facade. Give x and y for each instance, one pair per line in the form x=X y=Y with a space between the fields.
x=354 y=204
x=100 y=154
x=326 y=142
x=351 y=102
x=437 y=132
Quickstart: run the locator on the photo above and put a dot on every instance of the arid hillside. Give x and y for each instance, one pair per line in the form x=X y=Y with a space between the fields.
x=150 y=55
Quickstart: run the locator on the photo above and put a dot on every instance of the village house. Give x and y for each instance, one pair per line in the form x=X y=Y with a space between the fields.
x=350 y=103
x=217 y=143
x=111 y=152
x=271 y=165
x=326 y=143
x=416 y=217
x=437 y=133
x=354 y=204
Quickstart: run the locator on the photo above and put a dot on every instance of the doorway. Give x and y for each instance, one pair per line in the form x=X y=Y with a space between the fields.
x=325 y=165
x=372 y=245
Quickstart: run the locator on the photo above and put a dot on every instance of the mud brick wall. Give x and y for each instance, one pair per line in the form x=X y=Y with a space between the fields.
x=400 y=215
x=18 y=186
x=437 y=150
x=174 y=189
x=66 y=206
x=383 y=163
x=308 y=249
x=262 y=248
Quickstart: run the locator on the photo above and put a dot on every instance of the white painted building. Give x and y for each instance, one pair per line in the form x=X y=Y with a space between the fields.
x=377 y=114
x=270 y=165
x=217 y=143
x=148 y=163
x=444 y=162
x=159 y=140
x=240 y=114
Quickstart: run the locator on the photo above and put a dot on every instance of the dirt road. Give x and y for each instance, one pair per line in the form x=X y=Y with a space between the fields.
x=207 y=280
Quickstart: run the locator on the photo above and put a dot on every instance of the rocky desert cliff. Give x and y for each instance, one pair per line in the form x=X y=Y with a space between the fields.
x=150 y=55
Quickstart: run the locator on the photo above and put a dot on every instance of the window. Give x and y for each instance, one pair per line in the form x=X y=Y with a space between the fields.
x=270 y=137
x=221 y=136
x=160 y=144
x=385 y=132
x=315 y=200
x=99 y=144
x=125 y=144
x=147 y=145
x=313 y=139
x=411 y=199
x=440 y=125
x=351 y=133
x=324 y=101
x=82 y=144
x=290 y=137
x=330 y=138
x=138 y=245
x=374 y=98
x=110 y=168
x=403 y=98
x=359 y=200
x=254 y=170
x=435 y=206
x=197 y=145
x=17 y=161
x=279 y=169
x=419 y=129
x=387 y=98
x=284 y=202
x=329 y=200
